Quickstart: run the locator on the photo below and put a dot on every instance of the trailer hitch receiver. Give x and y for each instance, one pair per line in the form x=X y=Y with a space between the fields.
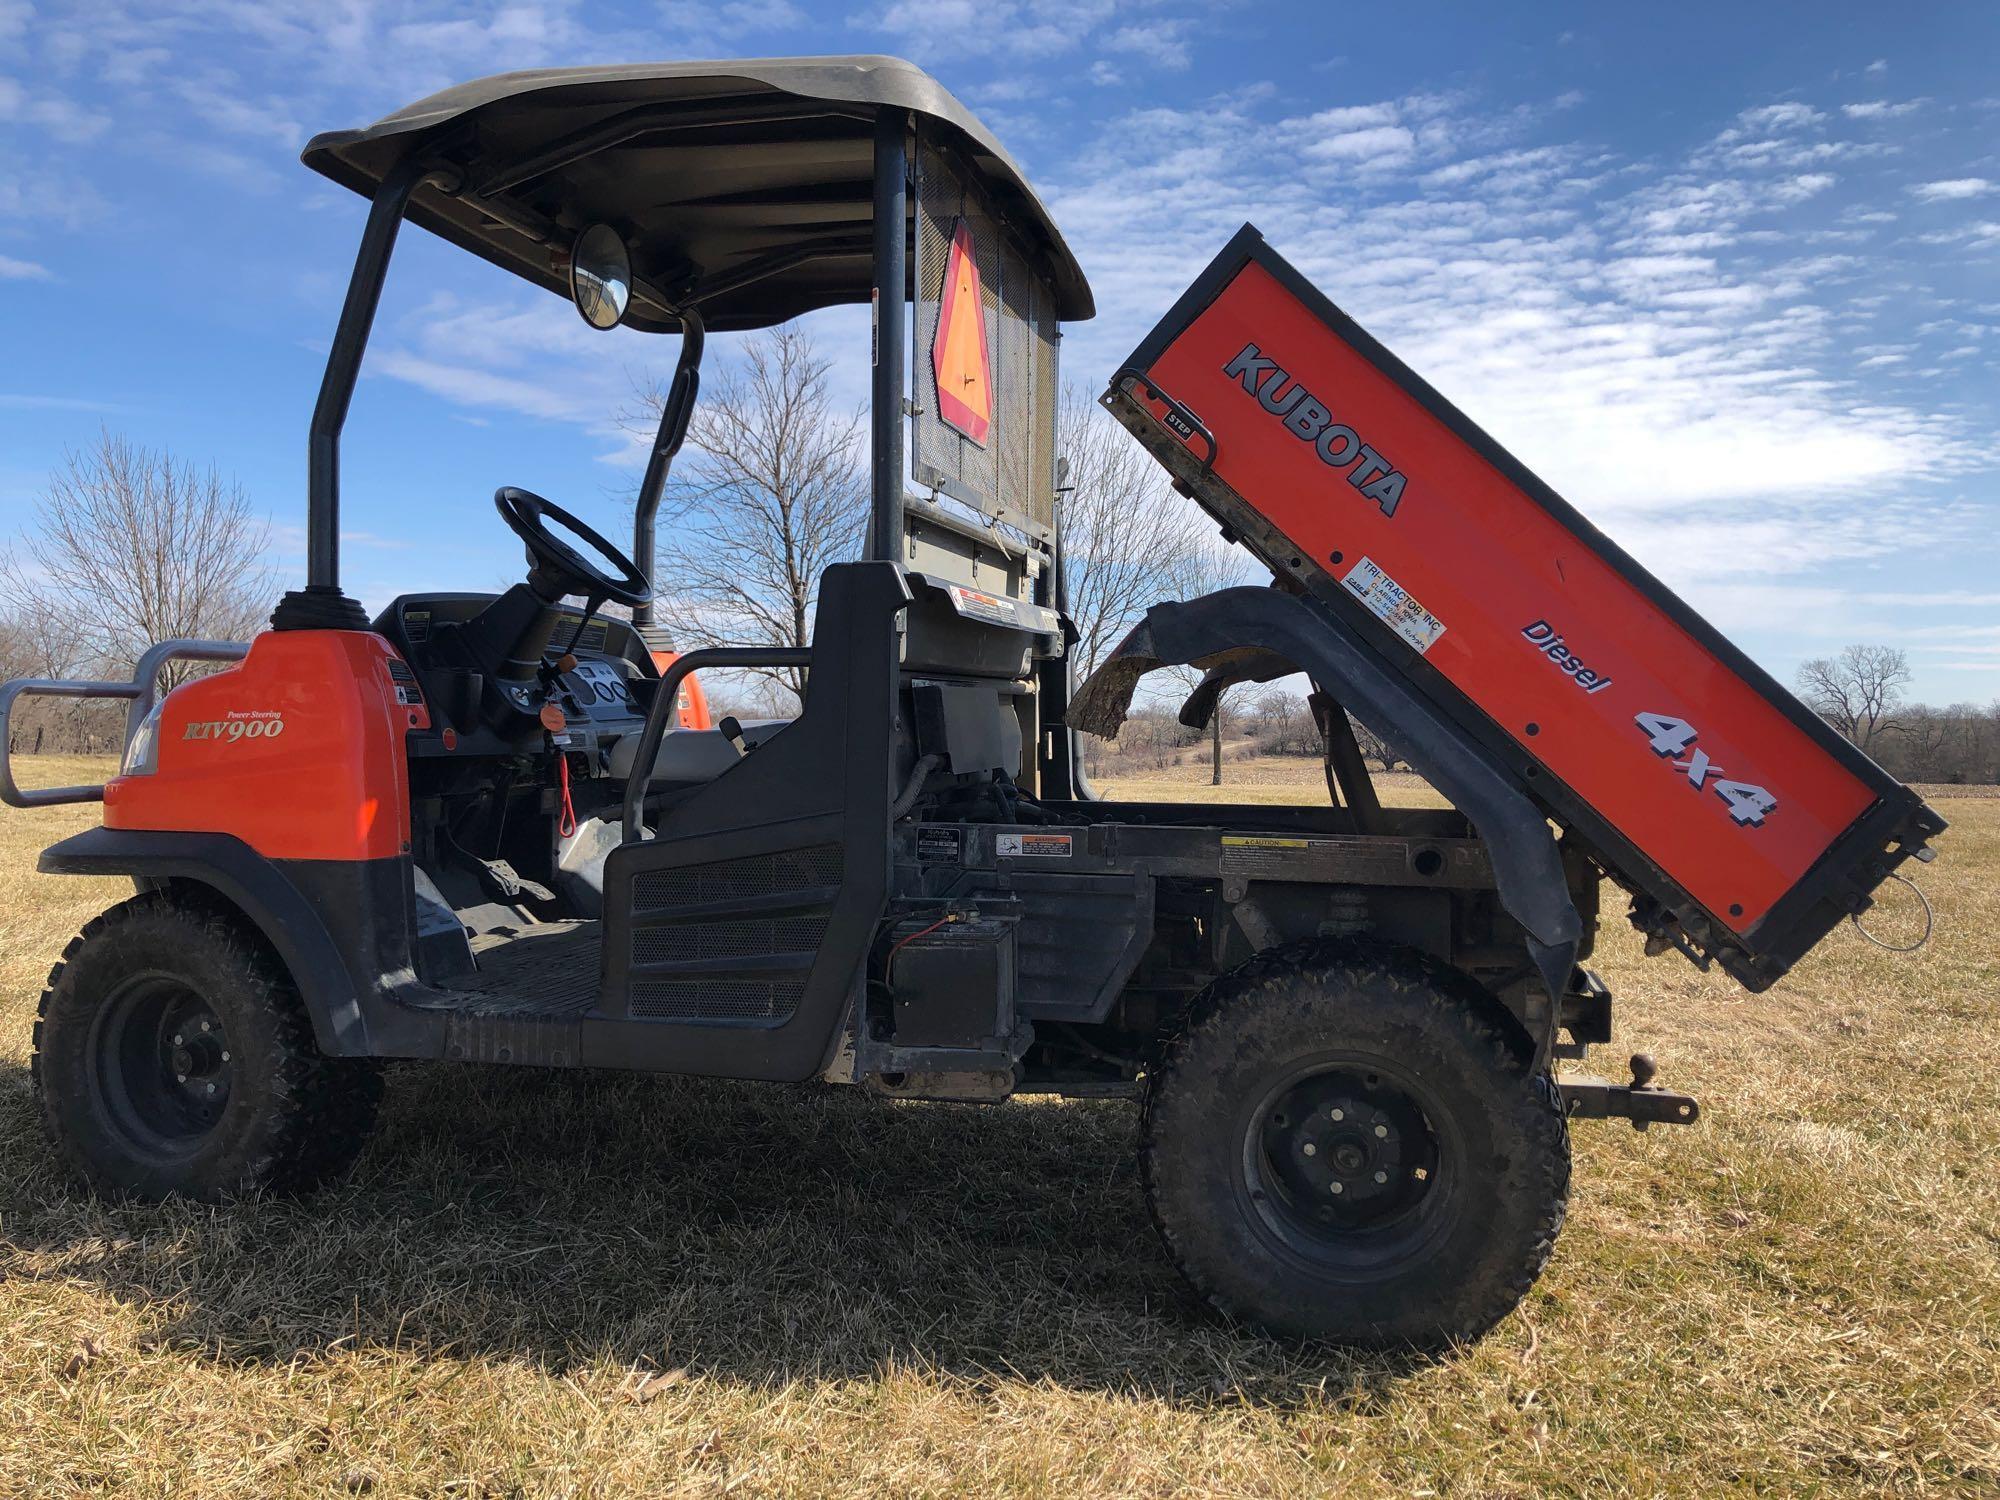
x=1641 y=1101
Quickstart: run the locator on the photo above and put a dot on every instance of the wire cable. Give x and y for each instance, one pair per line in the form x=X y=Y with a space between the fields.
x=1929 y=922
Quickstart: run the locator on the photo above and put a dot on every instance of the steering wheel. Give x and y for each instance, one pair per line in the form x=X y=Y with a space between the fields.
x=561 y=567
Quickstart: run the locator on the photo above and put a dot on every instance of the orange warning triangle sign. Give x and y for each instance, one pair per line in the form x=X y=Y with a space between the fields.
x=958 y=353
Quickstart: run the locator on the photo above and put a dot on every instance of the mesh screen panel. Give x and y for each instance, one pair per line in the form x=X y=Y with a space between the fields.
x=717 y=999
x=687 y=942
x=656 y=938
x=1012 y=476
x=729 y=879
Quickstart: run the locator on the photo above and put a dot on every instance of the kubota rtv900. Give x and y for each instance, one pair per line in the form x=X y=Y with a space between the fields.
x=483 y=828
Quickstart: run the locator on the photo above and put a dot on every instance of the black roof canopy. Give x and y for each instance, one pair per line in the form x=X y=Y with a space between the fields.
x=745 y=186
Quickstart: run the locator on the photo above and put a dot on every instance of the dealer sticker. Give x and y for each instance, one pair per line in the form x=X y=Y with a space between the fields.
x=1391 y=603
x=1031 y=845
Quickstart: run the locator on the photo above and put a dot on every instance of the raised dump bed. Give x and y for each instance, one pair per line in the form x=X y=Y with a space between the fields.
x=1743 y=825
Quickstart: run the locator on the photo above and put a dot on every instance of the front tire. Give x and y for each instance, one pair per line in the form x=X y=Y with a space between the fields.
x=1350 y=1144
x=173 y=1056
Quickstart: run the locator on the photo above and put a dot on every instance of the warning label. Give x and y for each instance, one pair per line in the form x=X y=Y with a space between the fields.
x=1031 y=845
x=1391 y=603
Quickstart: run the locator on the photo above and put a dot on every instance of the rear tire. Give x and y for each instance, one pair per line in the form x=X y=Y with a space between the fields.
x=1350 y=1144
x=173 y=1056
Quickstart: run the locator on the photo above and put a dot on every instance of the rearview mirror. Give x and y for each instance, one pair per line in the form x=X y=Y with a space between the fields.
x=600 y=276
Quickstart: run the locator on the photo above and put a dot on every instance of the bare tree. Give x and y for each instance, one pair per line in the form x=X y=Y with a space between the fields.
x=1283 y=725
x=1128 y=541
x=131 y=547
x=1858 y=691
x=1374 y=747
x=772 y=489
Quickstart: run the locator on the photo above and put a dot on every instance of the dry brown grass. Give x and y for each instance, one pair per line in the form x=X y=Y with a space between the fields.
x=591 y=1285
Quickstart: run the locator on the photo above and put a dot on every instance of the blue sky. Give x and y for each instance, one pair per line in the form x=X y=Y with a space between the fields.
x=1727 y=275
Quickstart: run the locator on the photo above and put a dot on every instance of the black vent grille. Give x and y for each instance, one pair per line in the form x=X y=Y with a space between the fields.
x=716 y=999
x=735 y=879
x=707 y=948
x=690 y=942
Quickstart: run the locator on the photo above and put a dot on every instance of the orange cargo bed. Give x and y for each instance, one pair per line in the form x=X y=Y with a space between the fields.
x=1694 y=778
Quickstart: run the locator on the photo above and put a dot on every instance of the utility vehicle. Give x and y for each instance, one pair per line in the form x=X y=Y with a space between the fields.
x=477 y=827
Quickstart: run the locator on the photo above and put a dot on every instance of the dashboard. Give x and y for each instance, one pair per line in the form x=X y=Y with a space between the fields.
x=480 y=660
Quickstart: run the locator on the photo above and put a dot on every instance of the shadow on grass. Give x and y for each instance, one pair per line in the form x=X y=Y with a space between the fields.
x=756 y=1233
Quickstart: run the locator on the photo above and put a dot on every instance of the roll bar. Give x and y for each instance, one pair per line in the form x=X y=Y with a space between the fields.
x=892 y=285
x=675 y=412
x=343 y=368
x=143 y=692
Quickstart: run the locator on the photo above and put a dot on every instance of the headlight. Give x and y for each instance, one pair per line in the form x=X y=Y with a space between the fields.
x=142 y=751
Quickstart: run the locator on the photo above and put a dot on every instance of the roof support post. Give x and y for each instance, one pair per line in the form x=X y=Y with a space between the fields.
x=674 y=414
x=321 y=604
x=892 y=235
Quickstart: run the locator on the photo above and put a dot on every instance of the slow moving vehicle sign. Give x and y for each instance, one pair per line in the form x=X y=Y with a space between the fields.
x=959 y=355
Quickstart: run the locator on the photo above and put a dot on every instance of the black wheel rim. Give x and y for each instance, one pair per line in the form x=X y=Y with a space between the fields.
x=161 y=1065
x=1350 y=1167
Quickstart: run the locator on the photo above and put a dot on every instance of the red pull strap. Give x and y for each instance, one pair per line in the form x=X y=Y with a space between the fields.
x=566 y=821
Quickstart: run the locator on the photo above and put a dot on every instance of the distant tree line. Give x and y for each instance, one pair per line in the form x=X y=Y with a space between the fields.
x=1274 y=722
x=1862 y=693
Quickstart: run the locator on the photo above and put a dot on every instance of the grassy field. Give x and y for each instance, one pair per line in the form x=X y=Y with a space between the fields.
x=581 y=1285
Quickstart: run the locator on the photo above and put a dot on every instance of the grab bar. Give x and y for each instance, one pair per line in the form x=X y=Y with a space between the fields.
x=142 y=691
x=663 y=704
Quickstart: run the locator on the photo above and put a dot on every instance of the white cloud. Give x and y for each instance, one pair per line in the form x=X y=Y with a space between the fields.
x=1952 y=188
x=220 y=102
x=23 y=270
x=1790 y=115
x=1037 y=29
x=1382 y=144
x=1628 y=335
x=1352 y=117
x=1805 y=185
x=1880 y=65
x=699 y=26
x=10 y=401
x=1880 y=109
x=1981 y=235
x=55 y=114
x=1161 y=43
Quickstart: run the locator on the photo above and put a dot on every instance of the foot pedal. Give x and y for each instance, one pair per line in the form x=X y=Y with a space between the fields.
x=509 y=885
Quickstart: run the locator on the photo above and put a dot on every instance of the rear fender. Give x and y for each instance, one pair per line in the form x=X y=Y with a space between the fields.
x=1218 y=627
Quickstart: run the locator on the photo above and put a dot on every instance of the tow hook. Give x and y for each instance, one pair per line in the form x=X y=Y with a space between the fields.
x=1641 y=1101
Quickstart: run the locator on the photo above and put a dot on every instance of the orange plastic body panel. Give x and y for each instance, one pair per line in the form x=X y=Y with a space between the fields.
x=298 y=750
x=693 y=707
x=1503 y=577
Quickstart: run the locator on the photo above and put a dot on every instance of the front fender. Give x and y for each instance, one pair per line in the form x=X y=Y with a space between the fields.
x=340 y=927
